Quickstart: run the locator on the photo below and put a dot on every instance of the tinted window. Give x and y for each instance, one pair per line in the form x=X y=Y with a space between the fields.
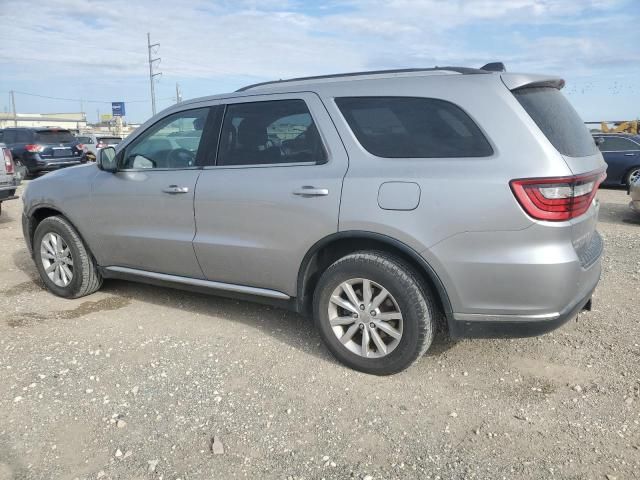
x=54 y=136
x=273 y=132
x=23 y=136
x=171 y=143
x=558 y=120
x=86 y=140
x=617 y=144
x=407 y=127
x=109 y=140
x=9 y=136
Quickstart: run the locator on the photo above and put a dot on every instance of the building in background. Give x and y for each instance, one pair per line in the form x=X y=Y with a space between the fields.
x=71 y=121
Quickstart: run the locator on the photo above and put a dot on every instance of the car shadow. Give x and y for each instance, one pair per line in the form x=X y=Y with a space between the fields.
x=283 y=325
x=617 y=213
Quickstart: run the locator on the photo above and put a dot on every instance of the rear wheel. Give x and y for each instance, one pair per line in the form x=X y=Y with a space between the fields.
x=63 y=261
x=632 y=176
x=374 y=313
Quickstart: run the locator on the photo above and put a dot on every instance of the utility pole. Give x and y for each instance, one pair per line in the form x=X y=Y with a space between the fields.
x=178 y=94
x=151 y=74
x=13 y=107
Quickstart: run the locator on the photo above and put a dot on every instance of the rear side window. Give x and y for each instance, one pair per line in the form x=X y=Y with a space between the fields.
x=617 y=144
x=271 y=132
x=558 y=120
x=412 y=127
x=54 y=136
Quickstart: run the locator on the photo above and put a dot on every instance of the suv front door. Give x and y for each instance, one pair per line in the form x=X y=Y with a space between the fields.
x=143 y=213
x=273 y=192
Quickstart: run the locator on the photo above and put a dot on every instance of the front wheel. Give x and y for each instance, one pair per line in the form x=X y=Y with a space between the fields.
x=63 y=261
x=374 y=312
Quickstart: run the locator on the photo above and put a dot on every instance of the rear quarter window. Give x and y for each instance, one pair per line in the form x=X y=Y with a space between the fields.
x=558 y=120
x=413 y=127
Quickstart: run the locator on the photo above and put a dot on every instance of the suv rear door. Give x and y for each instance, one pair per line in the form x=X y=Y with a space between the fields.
x=273 y=192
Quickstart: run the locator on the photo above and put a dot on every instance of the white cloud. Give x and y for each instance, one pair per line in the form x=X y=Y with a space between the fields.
x=280 y=38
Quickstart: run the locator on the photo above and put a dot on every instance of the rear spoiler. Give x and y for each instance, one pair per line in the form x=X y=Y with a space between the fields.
x=513 y=81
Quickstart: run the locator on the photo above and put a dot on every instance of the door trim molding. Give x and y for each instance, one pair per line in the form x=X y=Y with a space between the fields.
x=195 y=282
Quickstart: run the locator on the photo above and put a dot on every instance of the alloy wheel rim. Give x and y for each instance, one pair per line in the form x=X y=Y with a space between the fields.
x=56 y=259
x=633 y=177
x=365 y=318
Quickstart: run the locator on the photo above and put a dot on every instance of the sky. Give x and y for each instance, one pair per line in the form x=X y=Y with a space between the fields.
x=96 y=51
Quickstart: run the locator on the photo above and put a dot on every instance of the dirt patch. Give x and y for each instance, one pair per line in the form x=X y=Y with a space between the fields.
x=85 y=308
x=28 y=286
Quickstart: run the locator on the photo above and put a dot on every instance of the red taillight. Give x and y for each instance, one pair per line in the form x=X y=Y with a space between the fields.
x=559 y=198
x=8 y=160
x=33 y=148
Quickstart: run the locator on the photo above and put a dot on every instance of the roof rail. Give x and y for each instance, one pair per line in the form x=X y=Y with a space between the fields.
x=463 y=70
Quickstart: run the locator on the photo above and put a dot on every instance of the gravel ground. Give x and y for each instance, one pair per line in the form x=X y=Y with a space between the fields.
x=134 y=382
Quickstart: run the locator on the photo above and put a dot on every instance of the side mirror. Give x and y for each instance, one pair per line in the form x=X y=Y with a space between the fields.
x=599 y=141
x=107 y=159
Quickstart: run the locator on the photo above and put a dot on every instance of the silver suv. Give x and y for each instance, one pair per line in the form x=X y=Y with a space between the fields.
x=386 y=204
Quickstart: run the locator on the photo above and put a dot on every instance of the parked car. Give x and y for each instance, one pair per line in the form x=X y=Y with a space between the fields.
x=621 y=151
x=413 y=198
x=634 y=192
x=38 y=150
x=8 y=180
x=94 y=143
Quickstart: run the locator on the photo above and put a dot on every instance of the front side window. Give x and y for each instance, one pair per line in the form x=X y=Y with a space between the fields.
x=271 y=132
x=171 y=143
x=617 y=144
x=413 y=127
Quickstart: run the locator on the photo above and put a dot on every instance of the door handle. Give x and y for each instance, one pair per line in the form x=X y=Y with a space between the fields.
x=309 y=191
x=175 y=189
x=629 y=154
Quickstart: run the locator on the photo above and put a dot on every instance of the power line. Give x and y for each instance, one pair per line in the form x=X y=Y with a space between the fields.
x=81 y=99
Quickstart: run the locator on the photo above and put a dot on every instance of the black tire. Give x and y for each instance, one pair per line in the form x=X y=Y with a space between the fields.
x=627 y=177
x=86 y=279
x=415 y=301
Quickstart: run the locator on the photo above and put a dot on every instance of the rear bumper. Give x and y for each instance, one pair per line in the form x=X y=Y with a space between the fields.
x=517 y=283
x=48 y=166
x=7 y=192
x=510 y=326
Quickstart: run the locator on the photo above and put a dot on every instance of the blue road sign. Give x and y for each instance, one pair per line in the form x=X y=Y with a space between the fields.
x=117 y=109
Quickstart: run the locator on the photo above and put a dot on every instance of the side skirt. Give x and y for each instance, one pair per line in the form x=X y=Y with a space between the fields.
x=227 y=290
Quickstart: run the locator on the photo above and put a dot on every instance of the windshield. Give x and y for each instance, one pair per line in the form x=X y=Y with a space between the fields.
x=54 y=136
x=557 y=119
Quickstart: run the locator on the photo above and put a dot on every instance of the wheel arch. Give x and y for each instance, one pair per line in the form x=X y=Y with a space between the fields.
x=327 y=250
x=38 y=213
